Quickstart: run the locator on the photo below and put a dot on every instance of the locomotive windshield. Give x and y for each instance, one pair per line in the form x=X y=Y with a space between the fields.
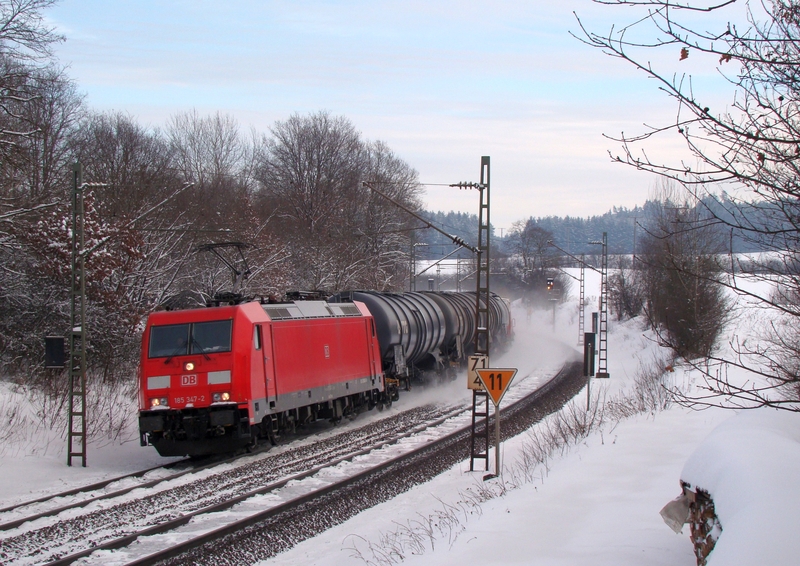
x=196 y=338
x=210 y=337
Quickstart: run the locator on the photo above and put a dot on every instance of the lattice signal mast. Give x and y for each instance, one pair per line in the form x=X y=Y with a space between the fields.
x=76 y=439
x=602 y=350
x=480 y=399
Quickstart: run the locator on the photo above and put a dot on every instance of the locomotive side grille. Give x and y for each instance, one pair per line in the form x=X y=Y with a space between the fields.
x=344 y=310
x=278 y=313
x=310 y=309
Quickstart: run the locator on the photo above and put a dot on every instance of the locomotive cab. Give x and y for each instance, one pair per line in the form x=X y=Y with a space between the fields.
x=189 y=401
x=215 y=380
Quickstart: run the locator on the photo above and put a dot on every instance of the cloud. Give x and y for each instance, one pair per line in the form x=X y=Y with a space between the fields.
x=441 y=82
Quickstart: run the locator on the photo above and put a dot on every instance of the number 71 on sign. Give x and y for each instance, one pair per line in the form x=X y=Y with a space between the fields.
x=474 y=363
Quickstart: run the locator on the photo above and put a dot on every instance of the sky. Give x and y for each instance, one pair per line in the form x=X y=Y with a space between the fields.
x=441 y=82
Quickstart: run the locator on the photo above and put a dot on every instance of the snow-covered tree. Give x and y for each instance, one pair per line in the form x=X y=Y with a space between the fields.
x=750 y=149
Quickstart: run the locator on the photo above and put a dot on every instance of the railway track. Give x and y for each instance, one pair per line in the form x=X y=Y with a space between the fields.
x=51 y=505
x=268 y=533
x=112 y=520
x=264 y=492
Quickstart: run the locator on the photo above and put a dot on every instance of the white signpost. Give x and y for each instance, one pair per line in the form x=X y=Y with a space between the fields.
x=474 y=363
x=496 y=381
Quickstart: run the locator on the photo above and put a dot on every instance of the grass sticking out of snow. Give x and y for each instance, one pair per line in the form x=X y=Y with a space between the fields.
x=554 y=437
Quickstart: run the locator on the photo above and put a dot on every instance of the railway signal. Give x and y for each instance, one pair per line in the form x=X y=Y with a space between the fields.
x=482 y=294
x=495 y=382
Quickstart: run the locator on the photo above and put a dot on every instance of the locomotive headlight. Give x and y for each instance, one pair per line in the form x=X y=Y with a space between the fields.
x=220 y=396
x=188 y=366
x=159 y=402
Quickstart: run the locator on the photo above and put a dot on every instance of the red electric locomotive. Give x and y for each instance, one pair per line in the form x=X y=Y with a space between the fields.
x=217 y=379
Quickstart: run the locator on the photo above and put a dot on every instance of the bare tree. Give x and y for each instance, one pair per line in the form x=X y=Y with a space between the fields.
x=339 y=233
x=680 y=274
x=53 y=116
x=208 y=150
x=378 y=230
x=24 y=35
x=25 y=45
x=312 y=165
x=625 y=293
x=534 y=264
x=531 y=243
x=38 y=105
x=25 y=53
x=135 y=164
x=750 y=149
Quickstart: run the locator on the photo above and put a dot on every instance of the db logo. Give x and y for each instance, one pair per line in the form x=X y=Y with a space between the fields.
x=188 y=380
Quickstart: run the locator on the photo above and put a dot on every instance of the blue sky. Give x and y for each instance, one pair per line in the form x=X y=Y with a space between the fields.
x=441 y=82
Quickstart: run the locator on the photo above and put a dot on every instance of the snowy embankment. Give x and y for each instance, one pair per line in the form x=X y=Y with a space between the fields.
x=750 y=465
x=596 y=500
x=590 y=501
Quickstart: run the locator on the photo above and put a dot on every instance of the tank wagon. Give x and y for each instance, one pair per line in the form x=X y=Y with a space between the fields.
x=423 y=332
x=219 y=379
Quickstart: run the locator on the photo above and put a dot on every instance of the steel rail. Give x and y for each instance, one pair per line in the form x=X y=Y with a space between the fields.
x=110 y=495
x=183 y=519
x=215 y=534
x=87 y=489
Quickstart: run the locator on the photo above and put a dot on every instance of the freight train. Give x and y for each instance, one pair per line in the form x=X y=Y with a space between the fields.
x=216 y=380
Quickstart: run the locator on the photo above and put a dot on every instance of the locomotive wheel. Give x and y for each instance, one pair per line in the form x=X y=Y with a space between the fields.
x=379 y=406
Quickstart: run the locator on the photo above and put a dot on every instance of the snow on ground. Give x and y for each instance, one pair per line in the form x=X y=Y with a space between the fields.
x=27 y=477
x=751 y=465
x=599 y=502
x=33 y=460
x=596 y=503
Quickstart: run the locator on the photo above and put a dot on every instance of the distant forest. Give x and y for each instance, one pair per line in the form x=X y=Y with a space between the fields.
x=573 y=234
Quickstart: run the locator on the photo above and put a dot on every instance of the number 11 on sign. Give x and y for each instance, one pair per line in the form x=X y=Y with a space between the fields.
x=496 y=382
x=499 y=380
